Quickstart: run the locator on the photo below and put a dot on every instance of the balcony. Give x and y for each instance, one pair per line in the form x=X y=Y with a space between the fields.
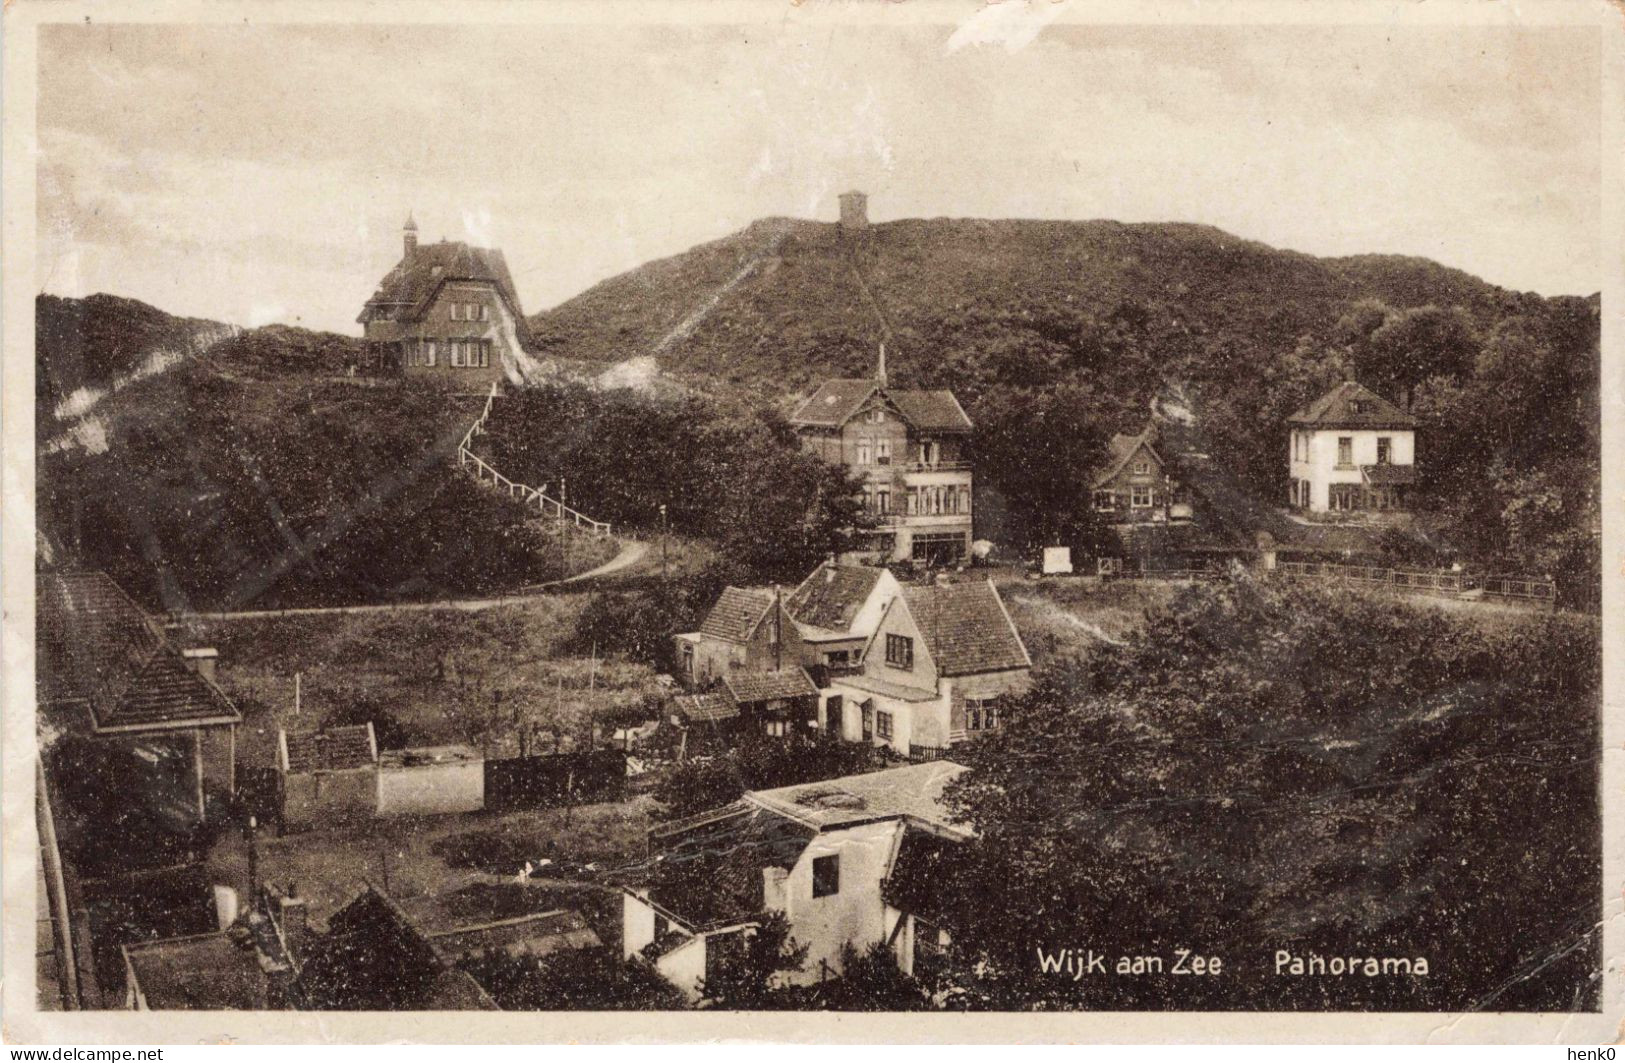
x=934 y=466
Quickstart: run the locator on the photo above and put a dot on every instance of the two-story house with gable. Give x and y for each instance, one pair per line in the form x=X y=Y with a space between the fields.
x=840 y=859
x=1351 y=450
x=447 y=311
x=1135 y=486
x=909 y=448
x=939 y=668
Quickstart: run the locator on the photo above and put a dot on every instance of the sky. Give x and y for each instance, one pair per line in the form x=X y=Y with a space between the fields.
x=256 y=173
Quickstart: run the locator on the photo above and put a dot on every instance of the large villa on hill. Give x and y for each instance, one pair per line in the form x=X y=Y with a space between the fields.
x=909 y=448
x=447 y=311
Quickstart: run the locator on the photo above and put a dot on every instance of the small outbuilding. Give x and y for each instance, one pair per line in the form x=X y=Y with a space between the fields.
x=327 y=776
x=430 y=781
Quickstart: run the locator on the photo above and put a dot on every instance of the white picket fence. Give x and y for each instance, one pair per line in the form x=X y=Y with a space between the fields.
x=537 y=497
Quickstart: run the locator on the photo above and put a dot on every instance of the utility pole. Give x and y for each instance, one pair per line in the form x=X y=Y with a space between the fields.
x=662 y=546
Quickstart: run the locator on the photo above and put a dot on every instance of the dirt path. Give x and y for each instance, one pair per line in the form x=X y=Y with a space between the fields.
x=632 y=552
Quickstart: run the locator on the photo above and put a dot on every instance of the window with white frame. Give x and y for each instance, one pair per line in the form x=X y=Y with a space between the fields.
x=1141 y=497
x=866 y=451
x=882 y=452
x=883 y=724
x=1142 y=468
x=1105 y=500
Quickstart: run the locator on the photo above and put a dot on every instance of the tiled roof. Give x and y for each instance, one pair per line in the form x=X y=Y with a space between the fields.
x=1122 y=448
x=831 y=597
x=728 y=848
x=966 y=628
x=1337 y=409
x=413 y=282
x=765 y=686
x=335 y=749
x=375 y=957
x=834 y=403
x=705 y=708
x=913 y=791
x=1389 y=474
x=931 y=411
x=97 y=646
x=838 y=401
x=737 y=613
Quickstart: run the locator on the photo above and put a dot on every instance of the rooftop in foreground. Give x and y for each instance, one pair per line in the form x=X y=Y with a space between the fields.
x=914 y=791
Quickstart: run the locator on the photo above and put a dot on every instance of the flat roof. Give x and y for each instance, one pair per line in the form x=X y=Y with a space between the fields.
x=201 y=972
x=913 y=791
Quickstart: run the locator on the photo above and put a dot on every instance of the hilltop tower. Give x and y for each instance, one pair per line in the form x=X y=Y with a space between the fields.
x=854 y=211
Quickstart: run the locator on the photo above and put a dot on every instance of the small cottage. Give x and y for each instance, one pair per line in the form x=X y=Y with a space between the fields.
x=821 y=853
x=747 y=630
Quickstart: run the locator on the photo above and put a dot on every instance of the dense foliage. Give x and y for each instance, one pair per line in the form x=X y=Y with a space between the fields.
x=233 y=479
x=1265 y=769
x=740 y=480
x=761 y=763
x=589 y=979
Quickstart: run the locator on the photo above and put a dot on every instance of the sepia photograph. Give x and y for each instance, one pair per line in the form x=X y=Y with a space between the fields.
x=959 y=508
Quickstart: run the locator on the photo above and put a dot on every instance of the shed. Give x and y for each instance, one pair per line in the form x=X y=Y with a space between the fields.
x=327 y=776
x=431 y=780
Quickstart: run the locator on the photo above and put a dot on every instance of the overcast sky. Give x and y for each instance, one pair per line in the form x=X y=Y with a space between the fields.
x=257 y=173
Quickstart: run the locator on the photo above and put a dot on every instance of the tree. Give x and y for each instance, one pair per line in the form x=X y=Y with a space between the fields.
x=585 y=979
x=749 y=964
x=1320 y=771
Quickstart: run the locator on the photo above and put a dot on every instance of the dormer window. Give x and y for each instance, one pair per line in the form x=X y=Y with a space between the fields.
x=875 y=416
x=1362 y=405
x=1142 y=468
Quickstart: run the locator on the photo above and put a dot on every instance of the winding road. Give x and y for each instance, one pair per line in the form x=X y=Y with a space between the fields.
x=633 y=552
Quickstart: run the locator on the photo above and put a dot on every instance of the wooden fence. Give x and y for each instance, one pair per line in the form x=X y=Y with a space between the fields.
x=1522 y=588
x=527 y=495
x=552 y=780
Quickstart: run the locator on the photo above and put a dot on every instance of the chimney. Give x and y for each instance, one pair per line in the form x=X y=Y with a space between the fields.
x=854 y=211
x=774 y=880
x=411 y=235
x=201 y=659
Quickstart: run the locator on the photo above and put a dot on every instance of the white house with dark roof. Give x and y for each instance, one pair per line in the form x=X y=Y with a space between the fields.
x=909 y=448
x=1351 y=450
x=447 y=310
x=825 y=854
x=939 y=669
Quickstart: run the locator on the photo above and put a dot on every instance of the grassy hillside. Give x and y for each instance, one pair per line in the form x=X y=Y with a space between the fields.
x=789 y=310
x=206 y=467
x=1056 y=334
